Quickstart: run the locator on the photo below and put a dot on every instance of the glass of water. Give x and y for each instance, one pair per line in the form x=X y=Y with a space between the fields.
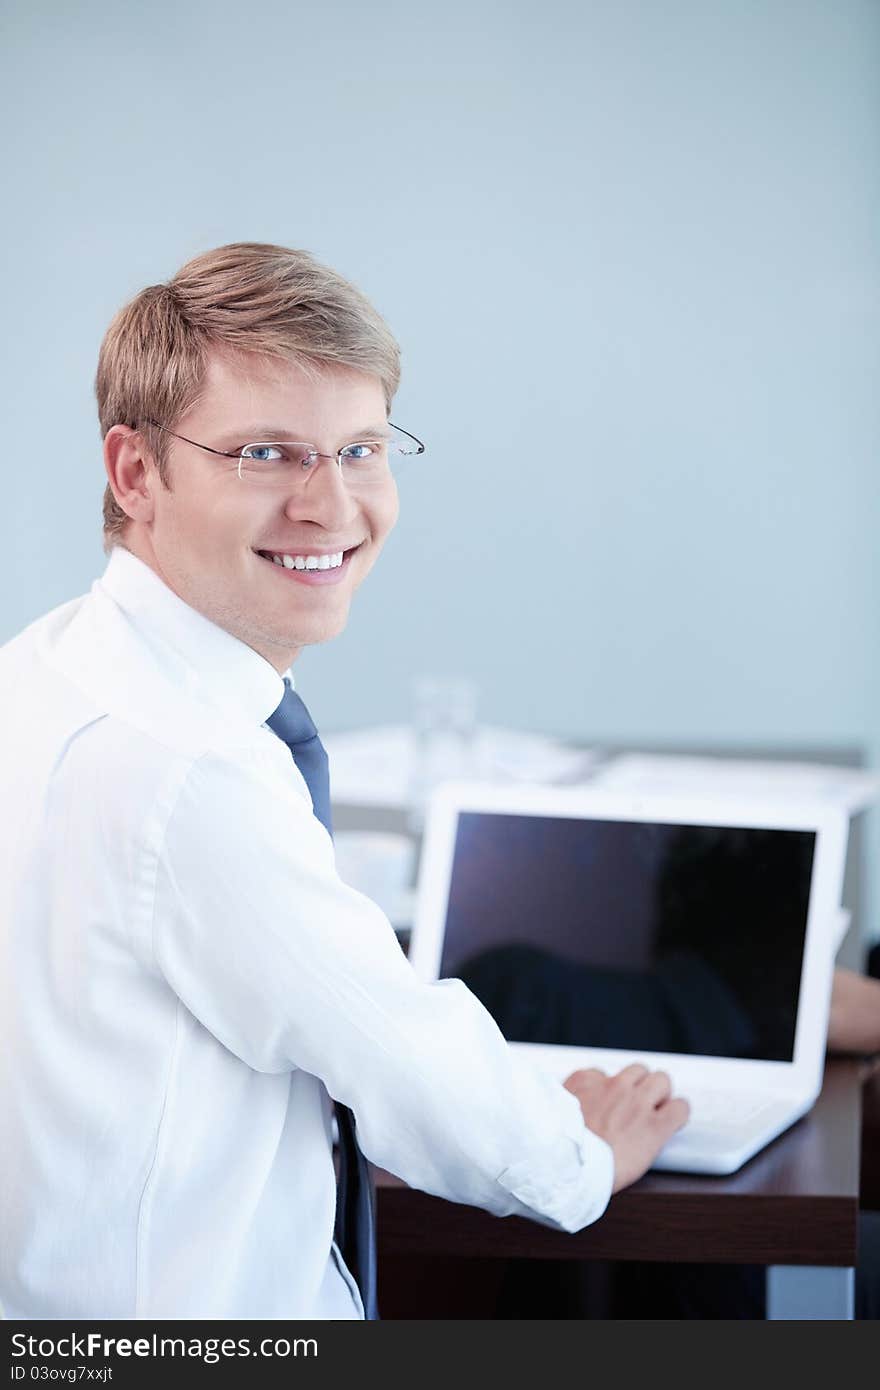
x=444 y=725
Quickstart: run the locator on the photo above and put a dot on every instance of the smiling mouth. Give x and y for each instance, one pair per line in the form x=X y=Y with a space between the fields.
x=330 y=574
x=270 y=554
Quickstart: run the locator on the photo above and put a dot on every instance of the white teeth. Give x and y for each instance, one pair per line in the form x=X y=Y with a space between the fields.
x=308 y=562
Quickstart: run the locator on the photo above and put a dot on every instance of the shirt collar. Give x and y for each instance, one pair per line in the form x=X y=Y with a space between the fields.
x=224 y=672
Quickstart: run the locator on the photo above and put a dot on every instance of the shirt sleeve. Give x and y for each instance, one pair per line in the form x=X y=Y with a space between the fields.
x=289 y=967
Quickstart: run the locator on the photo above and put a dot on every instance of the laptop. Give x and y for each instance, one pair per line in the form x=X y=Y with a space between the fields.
x=601 y=928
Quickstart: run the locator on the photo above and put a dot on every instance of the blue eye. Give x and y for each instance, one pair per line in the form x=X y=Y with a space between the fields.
x=358 y=451
x=262 y=453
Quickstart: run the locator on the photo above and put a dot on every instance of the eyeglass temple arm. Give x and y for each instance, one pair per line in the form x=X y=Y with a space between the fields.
x=421 y=448
x=224 y=453
x=228 y=454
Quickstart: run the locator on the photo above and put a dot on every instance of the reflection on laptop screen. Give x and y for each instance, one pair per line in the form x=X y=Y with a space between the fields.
x=657 y=938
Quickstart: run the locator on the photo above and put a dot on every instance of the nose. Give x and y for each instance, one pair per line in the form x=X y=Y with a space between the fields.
x=322 y=496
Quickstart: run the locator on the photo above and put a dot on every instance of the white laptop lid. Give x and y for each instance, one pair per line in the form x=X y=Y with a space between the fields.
x=680 y=930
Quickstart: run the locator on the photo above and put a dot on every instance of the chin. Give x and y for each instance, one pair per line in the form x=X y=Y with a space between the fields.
x=309 y=635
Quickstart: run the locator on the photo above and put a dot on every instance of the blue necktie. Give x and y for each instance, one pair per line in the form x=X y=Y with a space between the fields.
x=355 y=1230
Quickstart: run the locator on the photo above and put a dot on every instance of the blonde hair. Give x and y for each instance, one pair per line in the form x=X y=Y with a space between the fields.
x=248 y=297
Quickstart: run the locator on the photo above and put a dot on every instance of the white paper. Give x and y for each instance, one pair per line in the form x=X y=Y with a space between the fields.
x=851 y=788
x=380 y=766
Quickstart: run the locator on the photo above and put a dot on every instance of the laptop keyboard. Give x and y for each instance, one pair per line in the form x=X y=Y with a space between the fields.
x=722 y=1111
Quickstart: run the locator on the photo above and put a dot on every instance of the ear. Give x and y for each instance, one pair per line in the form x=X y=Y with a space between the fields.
x=131 y=471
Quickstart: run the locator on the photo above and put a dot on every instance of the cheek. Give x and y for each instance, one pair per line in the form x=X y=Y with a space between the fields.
x=226 y=533
x=388 y=512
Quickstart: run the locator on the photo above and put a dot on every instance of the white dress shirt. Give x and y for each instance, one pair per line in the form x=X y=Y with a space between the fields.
x=185 y=981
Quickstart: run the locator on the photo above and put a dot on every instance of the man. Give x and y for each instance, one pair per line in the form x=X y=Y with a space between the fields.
x=186 y=981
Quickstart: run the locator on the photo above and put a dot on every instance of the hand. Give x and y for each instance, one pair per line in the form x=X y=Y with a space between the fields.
x=854 y=1019
x=633 y=1112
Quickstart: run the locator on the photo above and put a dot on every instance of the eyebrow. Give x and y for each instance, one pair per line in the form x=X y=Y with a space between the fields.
x=255 y=434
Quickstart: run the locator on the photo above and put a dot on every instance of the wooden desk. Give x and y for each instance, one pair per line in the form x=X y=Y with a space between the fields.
x=793 y=1207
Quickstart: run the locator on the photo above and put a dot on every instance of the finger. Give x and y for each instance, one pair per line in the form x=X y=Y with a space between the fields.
x=673 y=1113
x=586 y=1076
x=632 y=1074
x=656 y=1086
x=585 y=1082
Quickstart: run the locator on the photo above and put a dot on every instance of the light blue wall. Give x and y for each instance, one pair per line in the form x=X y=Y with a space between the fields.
x=631 y=253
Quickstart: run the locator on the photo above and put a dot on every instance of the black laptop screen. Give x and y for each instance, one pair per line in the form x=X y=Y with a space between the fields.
x=655 y=938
